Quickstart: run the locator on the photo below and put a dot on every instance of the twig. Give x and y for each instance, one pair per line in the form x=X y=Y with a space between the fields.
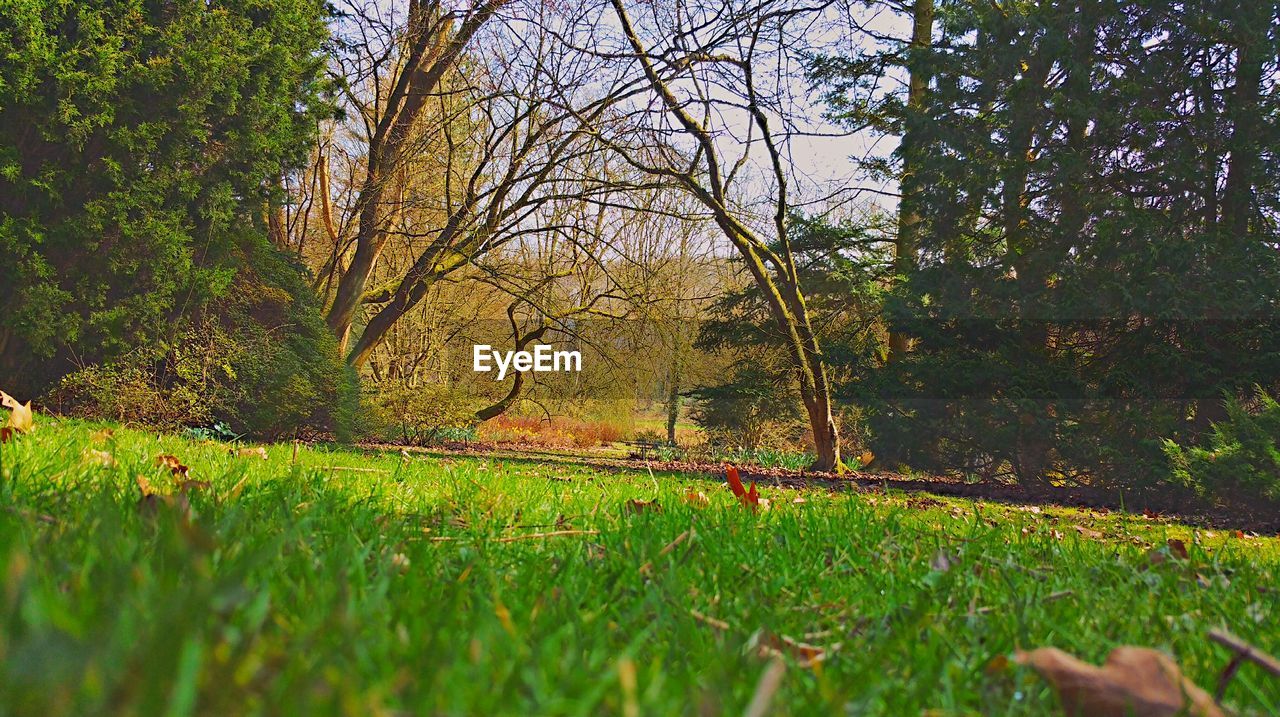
x=526 y=536
x=1049 y=598
x=713 y=622
x=1242 y=651
x=644 y=569
x=355 y=470
x=768 y=685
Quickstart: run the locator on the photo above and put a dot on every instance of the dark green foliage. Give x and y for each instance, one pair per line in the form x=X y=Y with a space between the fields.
x=1240 y=457
x=1098 y=261
x=283 y=370
x=758 y=405
x=260 y=359
x=139 y=144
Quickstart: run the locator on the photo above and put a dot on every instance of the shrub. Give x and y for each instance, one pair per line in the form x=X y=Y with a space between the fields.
x=261 y=360
x=1240 y=458
x=127 y=390
x=555 y=432
x=419 y=415
x=756 y=409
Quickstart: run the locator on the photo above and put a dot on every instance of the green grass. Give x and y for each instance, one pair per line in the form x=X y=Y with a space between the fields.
x=307 y=589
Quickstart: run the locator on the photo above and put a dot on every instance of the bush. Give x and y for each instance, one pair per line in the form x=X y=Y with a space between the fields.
x=1241 y=458
x=755 y=409
x=261 y=360
x=555 y=432
x=127 y=391
x=419 y=415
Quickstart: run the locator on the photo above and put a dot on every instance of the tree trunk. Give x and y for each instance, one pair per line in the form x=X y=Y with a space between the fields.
x=435 y=261
x=815 y=391
x=904 y=258
x=429 y=58
x=673 y=397
x=1244 y=112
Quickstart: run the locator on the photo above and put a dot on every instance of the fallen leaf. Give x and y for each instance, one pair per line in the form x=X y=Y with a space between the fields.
x=748 y=497
x=640 y=506
x=996 y=665
x=766 y=644
x=697 y=497
x=151 y=500
x=101 y=435
x=102 y=458
x=256 y=451
x=174 y=465
x=400 y=562
x=1087 y=532
x=865 y=458
x=1177 y=548
x=20 y=417
x=1133 y=682
x=5 y=434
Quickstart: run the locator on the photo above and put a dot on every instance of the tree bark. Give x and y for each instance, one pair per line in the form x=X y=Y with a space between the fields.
x=1244 y=112
x=432 y=53
x=517 y=384
x=673 y=397
x=904 y=257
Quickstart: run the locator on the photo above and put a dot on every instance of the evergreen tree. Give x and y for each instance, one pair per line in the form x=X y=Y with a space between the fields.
x=141 y=145
x=1098 y=261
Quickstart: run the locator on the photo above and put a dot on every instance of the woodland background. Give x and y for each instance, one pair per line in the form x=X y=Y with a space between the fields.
x=1057 y=259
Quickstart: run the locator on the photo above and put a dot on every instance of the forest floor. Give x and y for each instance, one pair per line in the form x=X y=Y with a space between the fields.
x=150 y=574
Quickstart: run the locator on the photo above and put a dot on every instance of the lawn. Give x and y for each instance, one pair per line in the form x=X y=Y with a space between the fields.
x=324 y=580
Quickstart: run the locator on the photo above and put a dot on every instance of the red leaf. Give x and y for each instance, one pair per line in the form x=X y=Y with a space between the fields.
x=748 y=497
x=735 y=482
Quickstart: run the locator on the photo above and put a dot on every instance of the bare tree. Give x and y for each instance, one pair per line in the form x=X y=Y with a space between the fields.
x=525 y=150
x=404 y=65
x=720 y=75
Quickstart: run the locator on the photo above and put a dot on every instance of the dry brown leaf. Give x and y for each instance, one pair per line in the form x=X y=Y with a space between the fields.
x=151 y=500
x=6 y=433
x=1177 y=548
x=996 y=665
x=1133 y=682
x=766 y=644
x=1087 y=532
x=102 y=458
x=640 y=506
x=255 y=452
x=174 y=465
x=20 y=417
x=865 y=458
x=102 y=435
x=749 y=497
x=698 y=498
